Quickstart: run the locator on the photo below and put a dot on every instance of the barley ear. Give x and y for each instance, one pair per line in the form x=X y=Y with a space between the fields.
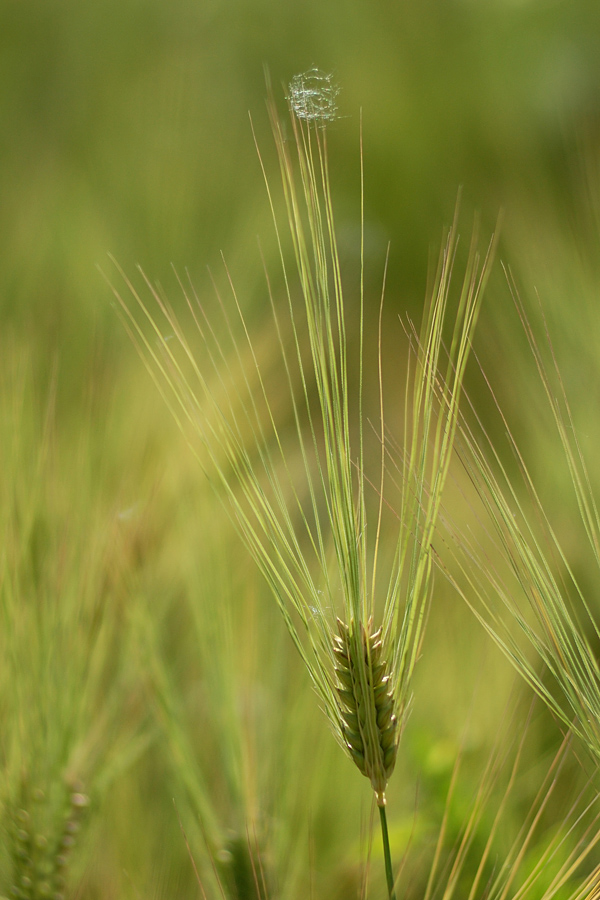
x=367 y=704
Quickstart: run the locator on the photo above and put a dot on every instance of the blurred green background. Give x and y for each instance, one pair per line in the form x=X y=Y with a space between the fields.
x=125 y=131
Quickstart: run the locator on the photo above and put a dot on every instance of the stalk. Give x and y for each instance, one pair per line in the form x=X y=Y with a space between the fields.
x=389 y=874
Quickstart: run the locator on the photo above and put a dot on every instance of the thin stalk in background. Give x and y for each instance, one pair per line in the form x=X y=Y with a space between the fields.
x=357 y=625
x=540 y=862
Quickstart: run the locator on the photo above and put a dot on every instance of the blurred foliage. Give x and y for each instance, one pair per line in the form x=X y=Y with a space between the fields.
x=126 y=130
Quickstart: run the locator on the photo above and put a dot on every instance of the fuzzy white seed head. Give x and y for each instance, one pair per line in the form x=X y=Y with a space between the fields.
x=313 y=96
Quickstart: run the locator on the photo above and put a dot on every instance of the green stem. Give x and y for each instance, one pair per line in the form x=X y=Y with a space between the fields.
x=386 y=853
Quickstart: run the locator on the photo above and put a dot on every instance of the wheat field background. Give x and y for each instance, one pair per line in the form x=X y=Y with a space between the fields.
x=159 y=736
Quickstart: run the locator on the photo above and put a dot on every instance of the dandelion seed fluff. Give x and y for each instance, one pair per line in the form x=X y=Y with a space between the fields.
x=313 y=96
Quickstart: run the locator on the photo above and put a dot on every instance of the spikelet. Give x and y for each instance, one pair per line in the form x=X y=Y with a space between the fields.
x=367 y=704
x=41 y=843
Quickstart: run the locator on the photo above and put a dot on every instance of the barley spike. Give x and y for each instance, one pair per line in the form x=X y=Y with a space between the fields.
x=366 y=703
